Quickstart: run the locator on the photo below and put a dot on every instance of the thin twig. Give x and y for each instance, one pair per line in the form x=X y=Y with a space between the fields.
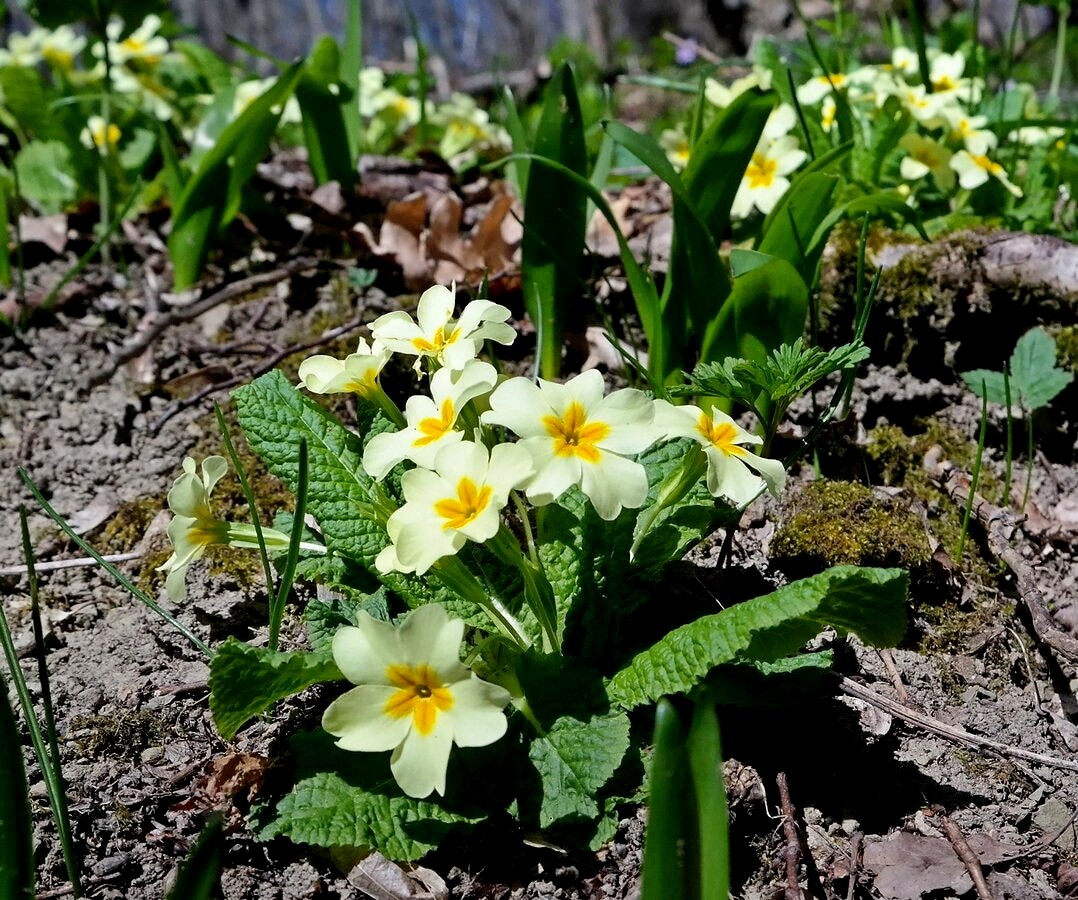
x=152 y=326
x=999 y=527
x=969 y=858
x=792 y=850
x=853 y=689
x=896 y=677
x=69 y=563
x=855 y=862
x=701 y=51
x=242 y=377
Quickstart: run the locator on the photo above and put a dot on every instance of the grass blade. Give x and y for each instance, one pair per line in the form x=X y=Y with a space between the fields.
x=16 y=826
x=50 y=766
x=917 y=28
x=289 y=573
x=248 y=493
x=518 y=171
x=122 y=579
x=200 y=874
x=5 y=253
x=975 y=475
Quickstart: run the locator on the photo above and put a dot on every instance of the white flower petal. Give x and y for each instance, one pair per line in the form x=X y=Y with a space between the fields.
x=435 y=308
x=476 y=716
x=420 y=762
x=428 y=636
x=364 y=652
x=358 y=720
x=613 y=483
x=519 y=405
x=728 y=477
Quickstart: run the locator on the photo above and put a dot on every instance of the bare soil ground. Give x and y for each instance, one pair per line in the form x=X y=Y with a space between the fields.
x=881 y=801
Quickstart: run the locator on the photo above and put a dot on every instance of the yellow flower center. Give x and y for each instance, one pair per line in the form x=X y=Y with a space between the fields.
x=433 y=429
x=440 y=341
x=944 y=83
x=574 y=435
x=720 y=435
x=59 y=58
x=133 y=45
x=836 y=79
x=992 y=168
x=401 y=106
x=420 y=695
x=103 y=136
x=466 y=506
x=761 y=171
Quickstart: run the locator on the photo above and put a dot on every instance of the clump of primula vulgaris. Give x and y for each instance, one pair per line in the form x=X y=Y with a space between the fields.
x=511 y=523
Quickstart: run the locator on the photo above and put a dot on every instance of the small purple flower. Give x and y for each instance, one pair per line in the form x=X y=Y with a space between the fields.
x=686 y=53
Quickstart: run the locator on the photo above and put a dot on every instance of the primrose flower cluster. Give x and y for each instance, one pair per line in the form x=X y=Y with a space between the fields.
x=471 y=446
x=567 y=435
x=948 y=140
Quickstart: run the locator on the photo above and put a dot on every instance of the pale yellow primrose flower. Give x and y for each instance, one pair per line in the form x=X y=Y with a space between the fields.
x=459 y=501
x=435 y=334
x=722 y=96
x=728 y=463
x=675 y=144
x=60 y=47
x=194 y=528
x=576 y=436
x=815 y=89
x=432 y=421
x=415 y=697
x=95 y=134
x=143 y=44
x=970 y=130
x=904 y=61
x=765 y=178
x=926 y=108
x=249 y=91
x=926 y=156
x=23 y=49
x=357 y=373
x=828 y=112
x=974 y=169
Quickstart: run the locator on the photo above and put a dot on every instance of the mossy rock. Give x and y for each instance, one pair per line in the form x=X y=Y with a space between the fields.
x=835 y=523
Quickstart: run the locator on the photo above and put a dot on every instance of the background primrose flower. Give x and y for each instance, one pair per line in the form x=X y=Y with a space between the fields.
x=414 y=696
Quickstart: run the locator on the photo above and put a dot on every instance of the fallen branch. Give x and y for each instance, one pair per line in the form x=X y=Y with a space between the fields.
x=56 y=564
x=791 y=851
x=243 y=377
x=154 y=325
x=999 y=527
x=951 y=732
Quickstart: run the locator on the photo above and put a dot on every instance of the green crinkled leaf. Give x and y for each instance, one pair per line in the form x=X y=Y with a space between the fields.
x=867 y=602
x=275 y=417
x=246 y=681
x=574 y=759
x=583 y=742
x=324 y=617
x=351 y=800
x=1035 y=379
x=46 y=177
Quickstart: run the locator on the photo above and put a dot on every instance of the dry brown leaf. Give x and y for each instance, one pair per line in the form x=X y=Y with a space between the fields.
x=909 y=866
x=383 y=879
x=232 y=774
x=48 y=230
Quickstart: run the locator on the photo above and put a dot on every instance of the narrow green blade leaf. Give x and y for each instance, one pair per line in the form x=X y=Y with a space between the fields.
x=554 y=224
x=200 y=875
x=669 y=810
x=16 y=826
x=809 y=201
x=351 y=66
x=246 y=681
x=323 y=103
x=868 y=602
x=212 y=195
x=713 y=823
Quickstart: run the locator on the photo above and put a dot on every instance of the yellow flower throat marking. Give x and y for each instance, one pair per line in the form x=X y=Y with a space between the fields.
x=433 y=428
x=574 y=435
x=721 y=435
x=420 y=695
x=440 y=342
x=761 y=171
x=466 y=506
